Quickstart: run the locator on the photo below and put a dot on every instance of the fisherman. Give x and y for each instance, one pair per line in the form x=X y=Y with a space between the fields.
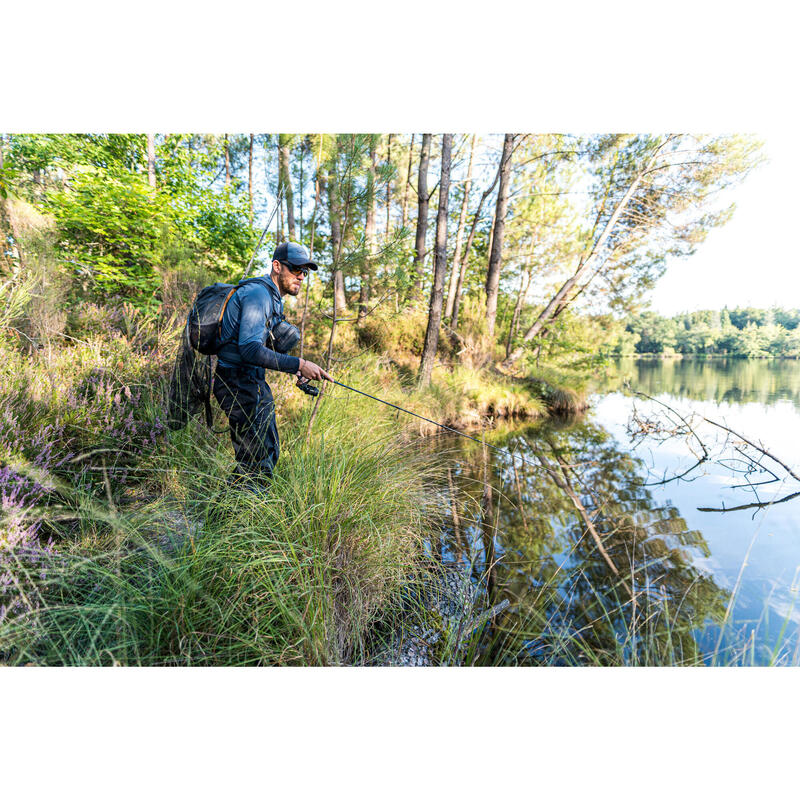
x=239 y=384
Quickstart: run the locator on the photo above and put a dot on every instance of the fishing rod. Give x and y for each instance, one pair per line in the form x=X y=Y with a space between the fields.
x=278 y=199
x=447 y=428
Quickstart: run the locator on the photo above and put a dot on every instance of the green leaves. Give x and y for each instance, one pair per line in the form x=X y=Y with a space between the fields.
x=117 y=234
x=8 y=175
x=111 y=223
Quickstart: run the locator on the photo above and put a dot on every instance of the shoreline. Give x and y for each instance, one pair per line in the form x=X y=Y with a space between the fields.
x=699 y=357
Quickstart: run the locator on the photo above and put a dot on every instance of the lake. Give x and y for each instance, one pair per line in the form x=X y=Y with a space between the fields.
x=657 y=487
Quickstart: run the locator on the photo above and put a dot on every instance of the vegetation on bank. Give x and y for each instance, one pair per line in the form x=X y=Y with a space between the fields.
x=123 y=543
x=738 y=332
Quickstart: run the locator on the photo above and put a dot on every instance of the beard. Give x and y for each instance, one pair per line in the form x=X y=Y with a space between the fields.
x=286 y=283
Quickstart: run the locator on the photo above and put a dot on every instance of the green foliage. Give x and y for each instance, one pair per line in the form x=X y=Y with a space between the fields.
x=111 y=225
x=8 y=176
x=118 y=235
x=579 y=341
x=743 y=332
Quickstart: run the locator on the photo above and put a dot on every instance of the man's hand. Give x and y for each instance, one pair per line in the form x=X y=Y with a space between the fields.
x=312 y=371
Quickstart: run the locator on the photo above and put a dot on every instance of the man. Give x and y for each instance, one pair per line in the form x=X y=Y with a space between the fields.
x=239 y=384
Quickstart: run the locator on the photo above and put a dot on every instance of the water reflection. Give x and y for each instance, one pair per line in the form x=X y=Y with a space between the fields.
x=596 y=569
x=719 y=380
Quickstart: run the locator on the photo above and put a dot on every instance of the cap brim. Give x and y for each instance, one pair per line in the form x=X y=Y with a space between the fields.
x=309 y=264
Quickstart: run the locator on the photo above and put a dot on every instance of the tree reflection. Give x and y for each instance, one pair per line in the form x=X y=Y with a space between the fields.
x=596 y=570
x=718 y=380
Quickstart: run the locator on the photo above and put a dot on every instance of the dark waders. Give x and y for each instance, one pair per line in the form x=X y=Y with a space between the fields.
x=247 y=400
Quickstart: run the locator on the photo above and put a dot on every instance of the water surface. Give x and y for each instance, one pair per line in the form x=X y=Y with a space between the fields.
x=714 y=586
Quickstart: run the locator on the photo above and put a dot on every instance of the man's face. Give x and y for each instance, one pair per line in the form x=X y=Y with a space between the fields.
x=286 y=280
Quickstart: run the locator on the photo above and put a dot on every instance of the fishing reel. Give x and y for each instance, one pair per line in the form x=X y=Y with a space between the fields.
x=305 y=385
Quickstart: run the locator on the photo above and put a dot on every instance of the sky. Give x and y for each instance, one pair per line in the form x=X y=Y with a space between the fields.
x=753 y=259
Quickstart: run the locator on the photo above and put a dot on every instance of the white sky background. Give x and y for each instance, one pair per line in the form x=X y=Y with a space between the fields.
x=753 y=259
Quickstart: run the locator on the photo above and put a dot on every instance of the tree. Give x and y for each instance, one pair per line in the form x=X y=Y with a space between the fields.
x=227 y=163
x=388 y=182
x=752 y=341
x=408 y=182
x=440 y=267
x=653 y=197
x=151 y=160
x=462 y=267
x=284 y=140
x=495 y=257
x=462 y=218
x=524 y=284
x=334 y=217
x=250 y=180
x=423 y=198
x=369 y=229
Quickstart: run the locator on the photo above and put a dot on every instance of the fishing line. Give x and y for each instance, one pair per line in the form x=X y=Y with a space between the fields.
x=445 y=427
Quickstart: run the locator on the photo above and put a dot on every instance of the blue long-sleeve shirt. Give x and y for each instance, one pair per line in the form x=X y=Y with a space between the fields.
x=250 y=314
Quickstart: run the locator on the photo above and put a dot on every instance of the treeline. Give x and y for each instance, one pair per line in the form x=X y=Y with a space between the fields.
x=496 y=242
x=739 y=332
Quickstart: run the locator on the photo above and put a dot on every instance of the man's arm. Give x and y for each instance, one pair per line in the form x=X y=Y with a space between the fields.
x=256 y=306
x=256 y=309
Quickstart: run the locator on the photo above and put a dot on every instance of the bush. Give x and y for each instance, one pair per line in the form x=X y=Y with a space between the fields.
x=397 y=335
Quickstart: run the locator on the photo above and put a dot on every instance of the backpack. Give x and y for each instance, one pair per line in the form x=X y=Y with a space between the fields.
x=192 y=377
x=205 y=319
x=205 y=322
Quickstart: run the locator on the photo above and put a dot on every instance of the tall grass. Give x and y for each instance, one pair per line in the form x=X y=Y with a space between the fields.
x=121 y=543
x=207 y=574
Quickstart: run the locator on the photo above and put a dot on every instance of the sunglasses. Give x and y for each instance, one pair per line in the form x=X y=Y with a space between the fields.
x=295 y=270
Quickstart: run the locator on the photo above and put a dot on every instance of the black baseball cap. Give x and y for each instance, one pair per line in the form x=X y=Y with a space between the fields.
x=294 y=254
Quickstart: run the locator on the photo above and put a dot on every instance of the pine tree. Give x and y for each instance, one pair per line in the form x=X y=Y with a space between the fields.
x=440 y=267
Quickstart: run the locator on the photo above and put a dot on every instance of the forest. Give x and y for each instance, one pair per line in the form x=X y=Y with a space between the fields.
x=738 y=332
x=467 y=278
x=516 y=247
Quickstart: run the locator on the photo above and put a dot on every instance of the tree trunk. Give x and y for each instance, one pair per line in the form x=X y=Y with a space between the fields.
x=151 y=160
x=467 y=248
x=284 y=140
x=561 y=299
x=523 y=291
x=227 y=164
x=423 y=198
x=491 y=233
x=388 y=183
x=369 y=231
x=334 y=212
x=495 y=256
x=408 y=182
x=440 y=268
x=454 y=272
x=302 y=186
x=317 y=187
x=250 y=180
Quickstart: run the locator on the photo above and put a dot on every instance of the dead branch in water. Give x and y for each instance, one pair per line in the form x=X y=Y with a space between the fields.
x=750 y=461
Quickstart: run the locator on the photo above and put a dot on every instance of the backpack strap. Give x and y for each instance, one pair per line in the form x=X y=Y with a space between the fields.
x=207 y=395
x=222 y=311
